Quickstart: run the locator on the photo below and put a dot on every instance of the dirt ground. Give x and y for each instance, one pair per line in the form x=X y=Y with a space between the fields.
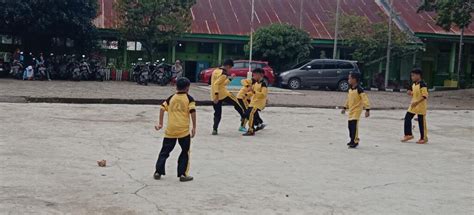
x=299 y=165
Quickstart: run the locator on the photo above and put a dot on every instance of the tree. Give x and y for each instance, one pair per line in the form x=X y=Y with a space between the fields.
x=451 y=13
x=281 y=44
x=37 y=22
x=153 y=22
x=369 y=40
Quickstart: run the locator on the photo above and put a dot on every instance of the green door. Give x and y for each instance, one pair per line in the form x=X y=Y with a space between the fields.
x=427 y=67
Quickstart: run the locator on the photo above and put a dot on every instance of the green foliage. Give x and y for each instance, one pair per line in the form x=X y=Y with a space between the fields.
x=449 y=12
x=280 y=44
x=37 y=21
x=153 y=22
x=369 y=40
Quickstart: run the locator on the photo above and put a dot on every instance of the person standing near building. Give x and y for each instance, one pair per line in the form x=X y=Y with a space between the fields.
x=177 y=69
x=419 y=104
x=219 y=93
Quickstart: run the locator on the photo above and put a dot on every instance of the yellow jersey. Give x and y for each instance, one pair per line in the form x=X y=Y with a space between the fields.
x=243 y=93
x=419 y=91
x=259 y=99
x=357 y=100
x=179 y=106
x=219 y=82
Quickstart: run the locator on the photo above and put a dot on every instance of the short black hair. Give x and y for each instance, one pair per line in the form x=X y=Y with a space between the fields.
x=355 y=75
x=182 y=83
x=228 y=62
x=417 y=71
x=258 y=71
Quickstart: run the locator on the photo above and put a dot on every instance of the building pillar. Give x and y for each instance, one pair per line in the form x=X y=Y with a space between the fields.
x=452 y=60
x=467 y=61
x=219 y=55
x=173 y=54
x=338 y=53
x=125 y=56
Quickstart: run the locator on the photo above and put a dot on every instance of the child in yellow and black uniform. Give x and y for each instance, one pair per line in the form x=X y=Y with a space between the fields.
x=244 y=96
x=220 y=94
x=258 y=102
x=179 y=107
x=357 y=100
x=419 y=93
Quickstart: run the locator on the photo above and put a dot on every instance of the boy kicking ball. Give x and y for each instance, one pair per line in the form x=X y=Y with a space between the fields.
x=257 y=103
x=244 y=96
x=179 y=107
x=419 y=94
x=357 y=100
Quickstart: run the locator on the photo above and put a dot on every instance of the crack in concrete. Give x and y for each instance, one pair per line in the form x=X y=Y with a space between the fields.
x=137 y=191
x=382 y=185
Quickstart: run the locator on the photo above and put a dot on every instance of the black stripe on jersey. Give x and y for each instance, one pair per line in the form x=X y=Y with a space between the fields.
x=423 y=84
x=190 y=98
x=169 y=99
x=360 y=89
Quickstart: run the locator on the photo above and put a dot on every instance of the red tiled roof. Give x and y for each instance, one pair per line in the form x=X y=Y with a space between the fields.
x=423 y=22
x=233 y=16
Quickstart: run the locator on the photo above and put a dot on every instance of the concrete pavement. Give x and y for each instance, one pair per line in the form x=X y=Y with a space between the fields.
x=131 y=93
x=298 y=165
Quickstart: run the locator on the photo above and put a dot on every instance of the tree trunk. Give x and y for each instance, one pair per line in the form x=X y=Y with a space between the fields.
x=461 y=40
x=148 y=50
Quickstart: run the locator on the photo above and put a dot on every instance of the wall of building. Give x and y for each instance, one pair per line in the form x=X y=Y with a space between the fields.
x=440 y=60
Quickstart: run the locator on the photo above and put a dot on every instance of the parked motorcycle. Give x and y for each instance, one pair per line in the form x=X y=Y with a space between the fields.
x=3 y=68
x=85 y=72
x=164 y=74
x=17 y=70
x=41 y=73
x=73 y=70
x=143 y=78
x=135 y=72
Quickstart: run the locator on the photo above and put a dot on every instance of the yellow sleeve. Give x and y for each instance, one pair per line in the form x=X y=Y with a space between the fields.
x=164 y=106
x=262 y=94
x=424 y=92
x=192 y=106
x=222 y=80
x=249 y=94
x=214 y=87
x=166 y=103
x=346 y=105
x=365 y=101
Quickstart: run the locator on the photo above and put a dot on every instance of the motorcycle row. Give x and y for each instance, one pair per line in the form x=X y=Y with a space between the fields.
x=157 y=73
x=64 y=67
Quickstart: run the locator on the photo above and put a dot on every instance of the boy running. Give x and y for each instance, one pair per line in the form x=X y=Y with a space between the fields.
x=220 y=94
x=258 y=102
x=357 y=100
x=244 y=96
x=419 y=94
x=179 y=106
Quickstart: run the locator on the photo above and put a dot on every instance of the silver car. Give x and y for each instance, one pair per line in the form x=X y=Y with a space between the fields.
x=321 y=72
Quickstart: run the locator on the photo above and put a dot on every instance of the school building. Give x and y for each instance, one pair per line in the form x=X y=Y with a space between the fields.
x=220 y=29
